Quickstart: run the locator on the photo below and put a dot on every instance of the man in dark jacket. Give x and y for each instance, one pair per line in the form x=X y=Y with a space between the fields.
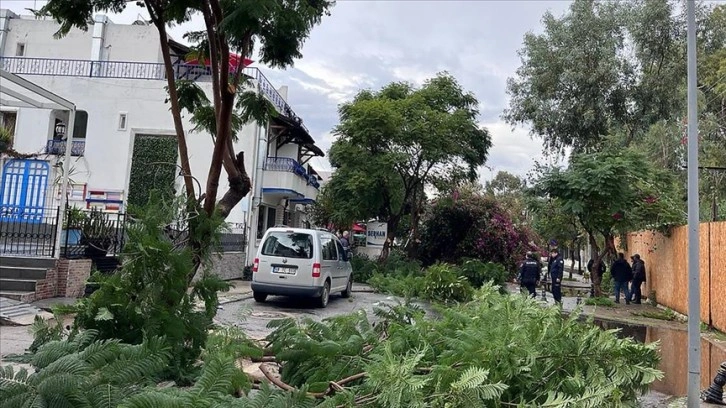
x=529 y=274
x=622 y=274
x=638 y=279
x=556 y=270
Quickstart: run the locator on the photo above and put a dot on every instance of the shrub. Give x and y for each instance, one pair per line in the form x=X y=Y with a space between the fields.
x=607 y=286
x=443 y=284
x=409 y=286
x=478 y=272
x=363 y=268
x=471 y=226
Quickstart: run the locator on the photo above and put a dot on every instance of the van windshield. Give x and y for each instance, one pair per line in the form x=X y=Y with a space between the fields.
x=288 y=245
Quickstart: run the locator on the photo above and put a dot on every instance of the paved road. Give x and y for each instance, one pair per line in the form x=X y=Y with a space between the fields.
x=253 y=317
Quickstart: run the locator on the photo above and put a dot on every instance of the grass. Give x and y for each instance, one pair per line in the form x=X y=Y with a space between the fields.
x=599 y=301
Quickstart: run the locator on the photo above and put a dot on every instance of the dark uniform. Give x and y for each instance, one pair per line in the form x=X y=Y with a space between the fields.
x=557 y=268
x=529 y=274
x=638 y=279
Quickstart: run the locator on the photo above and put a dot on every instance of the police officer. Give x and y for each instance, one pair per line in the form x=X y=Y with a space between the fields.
x=557 y=268
x=529 y=274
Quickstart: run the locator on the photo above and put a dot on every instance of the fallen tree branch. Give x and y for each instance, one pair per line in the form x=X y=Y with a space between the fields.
x=278 y=382
x=264 y=359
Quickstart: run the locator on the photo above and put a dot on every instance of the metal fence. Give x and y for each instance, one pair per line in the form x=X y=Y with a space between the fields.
x=34 y=237
x=292 y=166
x=98 y=234
x=137 y=70
x=58 y=147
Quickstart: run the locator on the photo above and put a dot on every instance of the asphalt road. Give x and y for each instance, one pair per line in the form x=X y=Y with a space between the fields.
x=253 y=317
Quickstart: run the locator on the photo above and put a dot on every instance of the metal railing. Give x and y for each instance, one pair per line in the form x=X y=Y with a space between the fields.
x=28 y=233
x=96 y=235
x=136 y=70
x=292 y=166
x=58 y=147
x=230 y=242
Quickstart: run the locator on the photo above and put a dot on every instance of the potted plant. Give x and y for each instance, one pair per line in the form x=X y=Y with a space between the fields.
x=72 y=226
x=98 y=234
x=6 y=139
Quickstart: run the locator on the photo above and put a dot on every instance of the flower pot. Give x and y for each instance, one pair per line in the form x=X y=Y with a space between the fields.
x=70 y=236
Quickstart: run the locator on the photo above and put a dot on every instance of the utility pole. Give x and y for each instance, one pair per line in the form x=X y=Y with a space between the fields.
x=694 y=284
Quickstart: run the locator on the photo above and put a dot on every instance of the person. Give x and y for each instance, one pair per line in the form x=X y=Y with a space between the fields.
x=529 y=274
x=622 y=274
x=344 y=240
x=636 y=295
x=600 y=272
x=556 y=270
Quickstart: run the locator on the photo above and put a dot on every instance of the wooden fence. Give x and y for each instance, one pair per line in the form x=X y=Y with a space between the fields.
x=666 y=262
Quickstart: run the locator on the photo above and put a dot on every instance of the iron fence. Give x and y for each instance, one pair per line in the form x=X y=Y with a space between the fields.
x=137 y=70
x=58 y=147
x=94 y=234
x=233 y=242
x=34 y=235
x=292 y=166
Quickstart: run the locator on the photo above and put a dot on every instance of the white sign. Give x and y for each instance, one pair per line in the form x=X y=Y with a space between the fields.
x=376 y=233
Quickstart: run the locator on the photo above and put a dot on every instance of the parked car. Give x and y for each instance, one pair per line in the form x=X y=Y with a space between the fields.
x=301 y=262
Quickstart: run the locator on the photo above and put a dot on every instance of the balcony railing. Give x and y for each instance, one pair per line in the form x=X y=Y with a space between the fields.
x=135 y=70
x=58 y=147
x=292 y=166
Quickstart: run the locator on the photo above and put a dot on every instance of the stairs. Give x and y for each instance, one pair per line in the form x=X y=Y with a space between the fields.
x=19 y=275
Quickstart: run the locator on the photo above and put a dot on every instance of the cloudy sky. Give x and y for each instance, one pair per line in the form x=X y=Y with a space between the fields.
x=367 y=44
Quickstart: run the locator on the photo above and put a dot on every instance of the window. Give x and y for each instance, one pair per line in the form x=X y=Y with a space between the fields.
x=20 y=50
x=80 y=125
x=266 y=217
x=288 y=245
x=122 y=120
x=8 y=121
x=328 y=246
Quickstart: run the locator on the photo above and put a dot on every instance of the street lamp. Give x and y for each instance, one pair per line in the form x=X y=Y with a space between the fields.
x=714 y=393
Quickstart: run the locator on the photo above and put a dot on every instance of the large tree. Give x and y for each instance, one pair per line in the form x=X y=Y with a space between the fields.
x=394 y=142
x=611 y=193
x=277 y=28
x=602 y=67
x=509 y=191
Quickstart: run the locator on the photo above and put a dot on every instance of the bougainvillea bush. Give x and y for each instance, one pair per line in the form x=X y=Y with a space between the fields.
x=472 y=226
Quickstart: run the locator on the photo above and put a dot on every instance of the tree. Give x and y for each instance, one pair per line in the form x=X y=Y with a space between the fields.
x=613 y=192
x=394 y=142
x=598 y=69
x=550 y=221
x=277 y=28
x=509 y=191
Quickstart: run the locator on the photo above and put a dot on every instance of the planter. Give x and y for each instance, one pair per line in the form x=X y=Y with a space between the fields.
x=70 y=237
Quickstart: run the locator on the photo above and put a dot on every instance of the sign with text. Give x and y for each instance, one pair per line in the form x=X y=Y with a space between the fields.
x=376 y=233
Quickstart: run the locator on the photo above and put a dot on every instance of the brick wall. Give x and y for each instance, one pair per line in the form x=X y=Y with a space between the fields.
x=72 y=277
x=67 y=279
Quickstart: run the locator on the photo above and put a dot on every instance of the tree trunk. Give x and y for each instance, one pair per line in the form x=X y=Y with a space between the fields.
x=594 y=274
x=390 y=236
x=572 y=260
x=160 y=24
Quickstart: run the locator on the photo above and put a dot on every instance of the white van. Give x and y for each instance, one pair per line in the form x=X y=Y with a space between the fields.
x=301 y=262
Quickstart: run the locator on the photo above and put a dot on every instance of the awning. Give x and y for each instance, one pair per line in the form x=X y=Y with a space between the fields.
x=290 y=131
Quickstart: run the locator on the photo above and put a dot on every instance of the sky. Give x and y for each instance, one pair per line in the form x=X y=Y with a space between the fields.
x=368 y=44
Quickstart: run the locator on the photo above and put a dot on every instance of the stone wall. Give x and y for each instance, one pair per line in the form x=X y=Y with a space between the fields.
x=228 y=265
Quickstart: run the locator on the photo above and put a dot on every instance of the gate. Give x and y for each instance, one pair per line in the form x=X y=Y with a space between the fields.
x=23 y=190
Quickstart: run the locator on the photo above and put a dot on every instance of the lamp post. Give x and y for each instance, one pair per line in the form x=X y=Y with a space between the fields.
x=714 y=393
x=694 y=280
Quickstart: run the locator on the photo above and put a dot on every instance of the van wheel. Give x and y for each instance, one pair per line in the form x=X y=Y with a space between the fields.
x=348 y=289
x=259 y=297
x=325 y=296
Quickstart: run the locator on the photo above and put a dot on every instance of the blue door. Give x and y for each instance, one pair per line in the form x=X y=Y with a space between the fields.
x=23 y=189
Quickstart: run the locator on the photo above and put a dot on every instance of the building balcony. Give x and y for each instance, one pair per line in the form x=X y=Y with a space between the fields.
x=136 y=70
x=287 y=178
x=58 y=147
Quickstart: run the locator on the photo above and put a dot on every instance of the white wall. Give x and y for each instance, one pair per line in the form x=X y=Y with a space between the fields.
x=108 y=150
x=39 y=42
x=132 y=43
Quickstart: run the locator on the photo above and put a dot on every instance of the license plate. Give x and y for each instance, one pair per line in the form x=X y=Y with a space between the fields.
x=283 y=271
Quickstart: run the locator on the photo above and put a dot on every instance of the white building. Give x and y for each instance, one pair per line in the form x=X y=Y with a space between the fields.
x=114 y=75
